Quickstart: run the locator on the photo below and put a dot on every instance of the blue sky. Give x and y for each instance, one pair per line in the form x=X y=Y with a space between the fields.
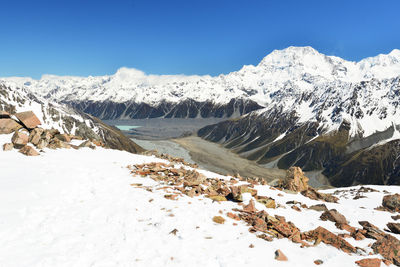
x=184 y=37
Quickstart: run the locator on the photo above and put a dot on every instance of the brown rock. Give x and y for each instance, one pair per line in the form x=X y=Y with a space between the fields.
x=218 y=219
x=19 y=139
x=267 y=202
x=329 y=238
x=8 y=126
x=279 y=256
x=27 y=150
x=369 y=262
x=396 y=217
x=8 y=147
x=394 y=227
x=233 y=216
x=318 y=262
x=35 y=136
x=29 y=119
x=63 y=137
x=392 y=202
x=250 y=207
x=371 y=231
x=314 y=194
x=333 y=216
x=388 y=246
x=295 y=180
x=318 y=207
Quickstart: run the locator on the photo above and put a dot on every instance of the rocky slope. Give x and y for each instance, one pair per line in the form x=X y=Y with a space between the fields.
x=348 y=131
x=64 y=119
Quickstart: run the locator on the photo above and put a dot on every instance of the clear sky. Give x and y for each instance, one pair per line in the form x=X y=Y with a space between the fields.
x=71 y=37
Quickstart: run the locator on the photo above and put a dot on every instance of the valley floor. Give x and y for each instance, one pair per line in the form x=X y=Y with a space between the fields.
x=78 y=208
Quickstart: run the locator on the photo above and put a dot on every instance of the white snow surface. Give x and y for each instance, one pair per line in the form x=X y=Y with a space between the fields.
x=78 y=208
x=294 y=79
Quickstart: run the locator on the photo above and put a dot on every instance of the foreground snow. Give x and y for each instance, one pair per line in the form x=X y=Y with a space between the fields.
x=78 y=208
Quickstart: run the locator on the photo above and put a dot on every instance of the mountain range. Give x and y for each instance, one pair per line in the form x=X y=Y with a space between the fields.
x=297 y=107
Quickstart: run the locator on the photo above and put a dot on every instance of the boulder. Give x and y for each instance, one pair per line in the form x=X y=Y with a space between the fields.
x=28 y=151
x=250 y=207
x=19 y=139
x=392 y=202
x=369 y=262
x=35 y=136
x=8 y=126
x=394 y=227
x=28 y=118
x=371 y=231
x=8 y=146
x=295 y=180
x=333 y=216
x=329 y=238
x=388 y=246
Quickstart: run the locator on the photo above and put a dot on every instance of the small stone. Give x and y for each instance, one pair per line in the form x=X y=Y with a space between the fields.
x=279 y=256
x=318 y=262
x=233 y=216
x=334 y=216
x=318 y=207
x=28 y=151
x=218 y=219
x=217 y=198
x=173 y=232
x=251 y=246
x=8 y=147
x=369 y=262
x=250 y=207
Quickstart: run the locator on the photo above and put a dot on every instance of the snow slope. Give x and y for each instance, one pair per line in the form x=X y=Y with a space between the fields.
x=78 y=208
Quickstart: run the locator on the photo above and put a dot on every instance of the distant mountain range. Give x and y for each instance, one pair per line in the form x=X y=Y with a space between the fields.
x=296 y=107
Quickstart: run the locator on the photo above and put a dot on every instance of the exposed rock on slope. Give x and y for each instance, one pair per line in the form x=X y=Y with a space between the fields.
x=63 y=119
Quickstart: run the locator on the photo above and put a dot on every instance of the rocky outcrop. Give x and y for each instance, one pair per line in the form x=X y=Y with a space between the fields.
x=53 y=115
x=391 y=202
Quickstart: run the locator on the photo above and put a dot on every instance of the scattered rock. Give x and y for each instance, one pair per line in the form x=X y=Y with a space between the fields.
x=251 y=246
x=329 y=238
x=174 y=231
x=295 y=180
x=28 y=151
x=279 y=256
x=371 y=231
x=28 y=118
x=318 y=207
x=63 y=137
x=250 y=207
x=8 y=146
x=35 y=136
x=396 y=217
x=233 y=216
x=318 y=262
x=267 y=202
x=392 y=202
x=8 y=126
x=218 y=219
x=19 y=139
x=394 y=227
x=369 y=262
x=314 y=194
x=389 y=247
x=217 y=198
x=333 y=216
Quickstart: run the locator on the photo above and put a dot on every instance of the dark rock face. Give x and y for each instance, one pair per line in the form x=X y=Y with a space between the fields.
x=276 y=139
x=186 y=109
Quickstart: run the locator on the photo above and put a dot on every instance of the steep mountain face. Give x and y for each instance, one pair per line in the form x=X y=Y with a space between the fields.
x=350 y=131
x=63 y=118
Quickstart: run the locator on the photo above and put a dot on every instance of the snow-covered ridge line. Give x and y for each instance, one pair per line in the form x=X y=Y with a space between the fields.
x=303 y=65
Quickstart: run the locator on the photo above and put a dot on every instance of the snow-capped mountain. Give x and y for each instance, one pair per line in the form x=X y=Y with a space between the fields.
x=296 y=78
x=303 y=108
x=63 y=118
